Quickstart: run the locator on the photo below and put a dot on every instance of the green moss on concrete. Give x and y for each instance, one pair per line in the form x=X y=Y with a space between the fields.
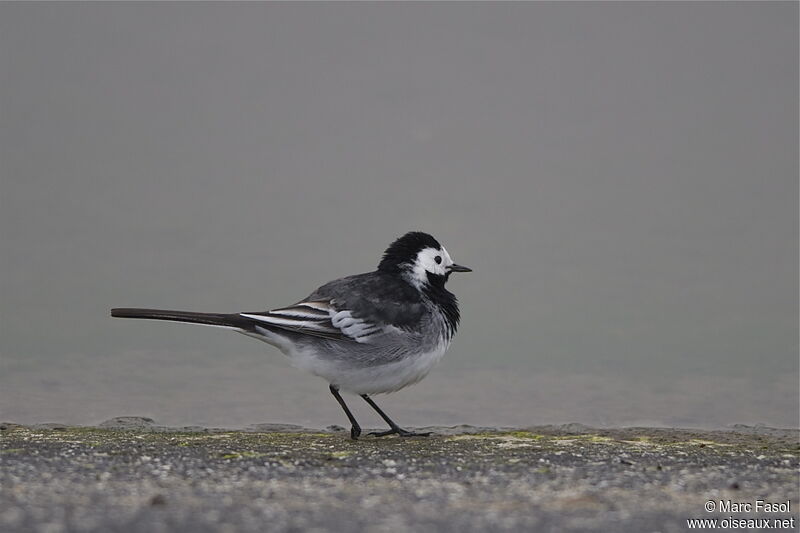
x=238 y=445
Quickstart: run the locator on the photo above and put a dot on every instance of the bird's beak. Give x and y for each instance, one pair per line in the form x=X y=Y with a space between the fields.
x=458 y=268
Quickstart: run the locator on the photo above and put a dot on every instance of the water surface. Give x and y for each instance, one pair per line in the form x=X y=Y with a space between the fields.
x=623 y=179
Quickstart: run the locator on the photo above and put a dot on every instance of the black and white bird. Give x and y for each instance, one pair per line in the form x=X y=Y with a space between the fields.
x=366 y=334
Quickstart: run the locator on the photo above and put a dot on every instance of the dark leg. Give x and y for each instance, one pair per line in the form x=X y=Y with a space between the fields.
x=395 y=428
x=355 y=430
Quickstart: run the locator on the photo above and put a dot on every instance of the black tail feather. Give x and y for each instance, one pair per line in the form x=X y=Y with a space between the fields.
x=208 y=319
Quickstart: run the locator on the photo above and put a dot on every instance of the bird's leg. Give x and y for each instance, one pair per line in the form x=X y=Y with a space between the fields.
x=355 y=430
x=395 y=428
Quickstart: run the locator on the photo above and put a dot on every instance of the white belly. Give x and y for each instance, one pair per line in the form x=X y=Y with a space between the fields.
x=372 y=379
x=375 y=379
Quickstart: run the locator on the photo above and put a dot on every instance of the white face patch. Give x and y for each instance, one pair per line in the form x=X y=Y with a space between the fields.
x=426 y=262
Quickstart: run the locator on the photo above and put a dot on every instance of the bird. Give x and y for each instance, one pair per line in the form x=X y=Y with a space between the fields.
x=365 y=334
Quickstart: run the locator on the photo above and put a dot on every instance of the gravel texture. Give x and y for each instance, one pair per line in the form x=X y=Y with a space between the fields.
x=134 y=476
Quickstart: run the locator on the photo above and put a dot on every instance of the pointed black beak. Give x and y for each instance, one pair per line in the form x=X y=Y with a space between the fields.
x=458 y=268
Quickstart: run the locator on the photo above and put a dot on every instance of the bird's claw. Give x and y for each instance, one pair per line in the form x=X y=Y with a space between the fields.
x=400 y=432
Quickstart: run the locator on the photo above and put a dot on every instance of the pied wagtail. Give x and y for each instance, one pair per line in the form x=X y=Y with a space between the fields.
x=367 y=334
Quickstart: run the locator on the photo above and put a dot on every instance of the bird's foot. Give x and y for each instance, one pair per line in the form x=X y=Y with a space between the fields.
x=355 y=432
x=399 y=431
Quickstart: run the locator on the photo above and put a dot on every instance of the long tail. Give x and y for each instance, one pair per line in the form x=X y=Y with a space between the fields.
x=222 y=320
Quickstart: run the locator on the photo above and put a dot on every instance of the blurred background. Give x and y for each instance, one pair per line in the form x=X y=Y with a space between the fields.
x=622 y=178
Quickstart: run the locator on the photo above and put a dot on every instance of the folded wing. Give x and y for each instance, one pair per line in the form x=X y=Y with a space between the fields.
x=319 y=318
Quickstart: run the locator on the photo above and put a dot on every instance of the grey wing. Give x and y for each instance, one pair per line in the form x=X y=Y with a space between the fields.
x=321 y=318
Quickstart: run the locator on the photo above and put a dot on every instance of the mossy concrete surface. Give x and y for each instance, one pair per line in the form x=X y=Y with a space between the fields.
x=134 y=476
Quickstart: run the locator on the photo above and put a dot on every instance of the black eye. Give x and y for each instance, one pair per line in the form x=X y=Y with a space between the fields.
x=438 y=259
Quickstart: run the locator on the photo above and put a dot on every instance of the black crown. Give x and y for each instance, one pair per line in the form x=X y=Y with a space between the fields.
x=405 y=249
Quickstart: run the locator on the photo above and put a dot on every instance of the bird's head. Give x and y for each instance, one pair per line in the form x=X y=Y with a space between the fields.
x=419 y=258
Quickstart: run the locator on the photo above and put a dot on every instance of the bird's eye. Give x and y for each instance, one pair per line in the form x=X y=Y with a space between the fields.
x=438 y=259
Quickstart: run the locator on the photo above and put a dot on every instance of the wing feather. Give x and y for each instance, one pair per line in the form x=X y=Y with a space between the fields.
x=319 y=318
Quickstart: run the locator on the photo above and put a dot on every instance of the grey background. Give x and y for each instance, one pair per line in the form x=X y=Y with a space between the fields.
x=623 y=178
